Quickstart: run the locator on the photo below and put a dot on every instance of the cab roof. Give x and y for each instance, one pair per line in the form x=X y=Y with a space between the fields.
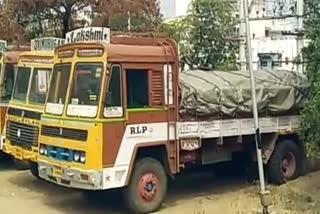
x=128 y=49
x=37 y=54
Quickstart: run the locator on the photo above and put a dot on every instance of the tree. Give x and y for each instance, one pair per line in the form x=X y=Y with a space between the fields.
x=178 y=29
x=29 y=15
x=144 y=15
x=10 y=30
x=64 y=9
x=33 y=13
x=205 y=31
x=37 y=16
x=311 y=55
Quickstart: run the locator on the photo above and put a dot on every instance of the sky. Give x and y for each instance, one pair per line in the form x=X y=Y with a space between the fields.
x=171 y=8
x=182 y=7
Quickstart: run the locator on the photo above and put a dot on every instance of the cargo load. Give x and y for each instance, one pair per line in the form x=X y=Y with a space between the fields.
x=227 y=94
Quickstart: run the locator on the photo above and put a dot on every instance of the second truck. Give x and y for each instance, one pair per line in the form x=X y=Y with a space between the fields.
x=27 y=103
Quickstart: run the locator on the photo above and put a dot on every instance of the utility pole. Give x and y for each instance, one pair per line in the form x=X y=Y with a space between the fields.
x=300 y=41
x=264 y=194
x=242 y=48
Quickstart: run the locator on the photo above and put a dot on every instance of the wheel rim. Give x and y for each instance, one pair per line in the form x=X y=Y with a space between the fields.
x=288 y=165
x=148 y=187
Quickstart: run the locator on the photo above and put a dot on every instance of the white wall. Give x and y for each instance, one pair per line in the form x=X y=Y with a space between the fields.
x=258 y=27
x=276 y=43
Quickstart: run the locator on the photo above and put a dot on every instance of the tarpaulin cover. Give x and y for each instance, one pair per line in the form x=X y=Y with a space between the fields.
x=228 y=93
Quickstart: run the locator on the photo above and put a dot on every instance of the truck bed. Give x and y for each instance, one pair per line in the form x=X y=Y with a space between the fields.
x=237 y=127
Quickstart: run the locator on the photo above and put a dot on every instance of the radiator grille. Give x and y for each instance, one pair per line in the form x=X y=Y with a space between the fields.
x=22 y=135
x=67 y=133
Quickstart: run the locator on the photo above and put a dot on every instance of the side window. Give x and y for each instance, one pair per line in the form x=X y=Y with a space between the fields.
x=8 y=80
x=113 y=97
x=137 y=88
x=39 y=85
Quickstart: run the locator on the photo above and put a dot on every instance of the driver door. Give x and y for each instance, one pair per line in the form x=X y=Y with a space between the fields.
x=114 y=114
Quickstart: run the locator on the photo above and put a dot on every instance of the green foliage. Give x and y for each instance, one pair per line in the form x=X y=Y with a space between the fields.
x=178 y=30
x=204 y=34
x=311 y=54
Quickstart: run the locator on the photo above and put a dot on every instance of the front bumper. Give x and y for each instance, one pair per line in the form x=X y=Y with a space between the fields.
x=74 y=178
x=19 y=153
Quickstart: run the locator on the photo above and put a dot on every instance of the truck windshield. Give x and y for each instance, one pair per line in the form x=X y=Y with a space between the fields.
x=85 y=91
x=39 y=85
x=58 y=88
x=8 y=82
x=59 y=83
x=22 y=83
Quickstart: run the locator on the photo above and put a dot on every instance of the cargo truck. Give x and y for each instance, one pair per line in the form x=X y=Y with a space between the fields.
x=27 y=103
x=8 y=71
x=120 y=115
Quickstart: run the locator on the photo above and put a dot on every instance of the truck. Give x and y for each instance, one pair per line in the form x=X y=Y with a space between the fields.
x=27 y=103
x=121 y=116
x=8 y=64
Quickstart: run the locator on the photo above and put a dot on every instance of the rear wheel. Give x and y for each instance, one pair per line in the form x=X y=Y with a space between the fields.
x=147 y=188
x=285 y=163
x=21 y=165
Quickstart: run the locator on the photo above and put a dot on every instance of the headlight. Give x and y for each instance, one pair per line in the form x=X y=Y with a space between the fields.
x=76 y=156
x=42 y=149
x=83 y=157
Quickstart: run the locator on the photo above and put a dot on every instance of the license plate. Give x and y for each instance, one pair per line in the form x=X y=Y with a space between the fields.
x=18 y=153
x=57 y=171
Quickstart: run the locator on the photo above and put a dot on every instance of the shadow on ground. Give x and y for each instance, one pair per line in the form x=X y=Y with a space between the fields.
x=6 y=163
x=196 y=183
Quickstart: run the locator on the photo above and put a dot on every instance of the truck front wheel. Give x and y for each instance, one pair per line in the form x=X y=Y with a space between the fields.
x=147 y=188
x=285 y=163
x=3 y=156
x=34 y=170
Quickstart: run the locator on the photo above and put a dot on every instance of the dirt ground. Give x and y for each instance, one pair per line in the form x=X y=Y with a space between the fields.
x=200 y=194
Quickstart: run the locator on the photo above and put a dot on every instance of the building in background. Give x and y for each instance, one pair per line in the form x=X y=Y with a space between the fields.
x=273 y=43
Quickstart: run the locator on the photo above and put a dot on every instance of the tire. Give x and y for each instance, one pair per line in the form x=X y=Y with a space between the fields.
x=34 y=170
x=21 y=165
x=285 y=163
x=148 y=173
x=3 y=156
